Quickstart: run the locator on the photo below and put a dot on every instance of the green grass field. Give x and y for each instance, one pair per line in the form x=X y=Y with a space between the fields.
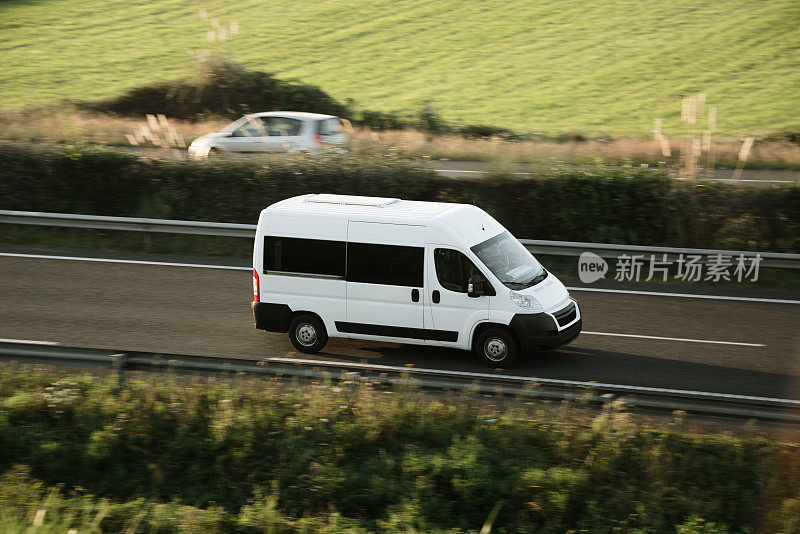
x=603 y=66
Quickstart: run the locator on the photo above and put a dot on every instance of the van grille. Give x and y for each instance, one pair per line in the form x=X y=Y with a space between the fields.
x=567 y=315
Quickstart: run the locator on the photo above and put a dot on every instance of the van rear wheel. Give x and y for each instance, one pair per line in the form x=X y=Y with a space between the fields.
x=496 y=347
x=307 y=334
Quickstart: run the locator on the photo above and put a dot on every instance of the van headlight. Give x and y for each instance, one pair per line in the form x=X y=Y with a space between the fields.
x=524 y=301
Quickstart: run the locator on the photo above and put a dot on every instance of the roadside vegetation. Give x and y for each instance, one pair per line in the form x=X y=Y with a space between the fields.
x=183 y=455
x=81 y=128
x=605 y=205
x=223 y=90
x=539 y=67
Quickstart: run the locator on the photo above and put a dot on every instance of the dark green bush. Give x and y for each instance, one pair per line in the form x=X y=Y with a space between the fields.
x=379 y=121
x=482 y=131
x=428 y=120
x=223 y=89
x=787 y=135
x=627 y=206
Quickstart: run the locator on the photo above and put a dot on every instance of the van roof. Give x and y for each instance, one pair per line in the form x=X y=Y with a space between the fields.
x=469 y=223
x=373 y=207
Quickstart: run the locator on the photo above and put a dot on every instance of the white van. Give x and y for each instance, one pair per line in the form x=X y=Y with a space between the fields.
x=385 y=269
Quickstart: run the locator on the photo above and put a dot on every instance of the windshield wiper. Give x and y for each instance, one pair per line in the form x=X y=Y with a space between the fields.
x=532 y=282
x=536 y=279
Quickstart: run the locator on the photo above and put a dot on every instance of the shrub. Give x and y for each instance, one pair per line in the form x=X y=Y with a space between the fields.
x=180 y=456
x=379 y=121
x=481 y=131
x=224 y=89
x=787 y=135
x=623 y=205
x=429 y=121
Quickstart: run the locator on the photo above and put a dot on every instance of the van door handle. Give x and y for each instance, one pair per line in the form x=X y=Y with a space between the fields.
x=435 y=296
x=415 y=295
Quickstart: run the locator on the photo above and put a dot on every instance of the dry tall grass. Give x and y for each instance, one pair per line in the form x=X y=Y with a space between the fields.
x=76 y=127
x=414 y=144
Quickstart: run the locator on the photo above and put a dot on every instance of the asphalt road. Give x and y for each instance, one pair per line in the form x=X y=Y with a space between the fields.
x=206 y=311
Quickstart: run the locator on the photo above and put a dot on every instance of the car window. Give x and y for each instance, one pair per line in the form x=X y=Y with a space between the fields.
x=252 y=128
x=453 y=269
x=328 y=126
x=280 y=126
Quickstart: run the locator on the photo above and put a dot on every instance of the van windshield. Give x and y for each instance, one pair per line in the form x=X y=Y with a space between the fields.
x=510 y=261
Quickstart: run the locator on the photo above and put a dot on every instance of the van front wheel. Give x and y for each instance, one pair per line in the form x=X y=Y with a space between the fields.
x=496 y=347
x=307 y=334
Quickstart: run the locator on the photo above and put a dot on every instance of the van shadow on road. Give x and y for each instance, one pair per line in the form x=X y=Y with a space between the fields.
x=583 y=364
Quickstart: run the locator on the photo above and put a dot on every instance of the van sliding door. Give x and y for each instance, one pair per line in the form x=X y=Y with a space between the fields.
x=385 y=281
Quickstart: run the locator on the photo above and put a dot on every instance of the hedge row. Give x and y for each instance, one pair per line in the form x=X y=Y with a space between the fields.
x=627 y=206
x=255 y=456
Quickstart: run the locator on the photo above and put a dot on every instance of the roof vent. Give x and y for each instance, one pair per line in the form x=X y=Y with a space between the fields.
x=350 y=200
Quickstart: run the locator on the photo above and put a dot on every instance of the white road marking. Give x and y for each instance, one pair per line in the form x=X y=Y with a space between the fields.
x=234 y=268
x=732 y=181
x=723 y=180
x=28 y=341
x=675 y=339
x=532 y=379
x=683 y=295
x=478 y=172
x=133 y=262
x=729 y=181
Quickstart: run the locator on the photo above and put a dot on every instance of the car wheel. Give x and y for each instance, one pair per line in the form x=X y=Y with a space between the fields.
x=307 y=334
x=496 y=347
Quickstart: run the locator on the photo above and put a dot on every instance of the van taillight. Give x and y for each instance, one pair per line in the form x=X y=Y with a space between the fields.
x=318 y=140
x=256 y=287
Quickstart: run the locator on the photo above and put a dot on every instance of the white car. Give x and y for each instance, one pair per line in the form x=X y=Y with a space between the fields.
x=274 y=131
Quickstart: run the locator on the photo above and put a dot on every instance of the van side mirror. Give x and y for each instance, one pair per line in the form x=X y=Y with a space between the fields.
x=476 y=286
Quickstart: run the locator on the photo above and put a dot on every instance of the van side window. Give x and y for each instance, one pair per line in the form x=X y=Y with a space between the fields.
x=305 y=256
x=453 y=269
x=385 y=264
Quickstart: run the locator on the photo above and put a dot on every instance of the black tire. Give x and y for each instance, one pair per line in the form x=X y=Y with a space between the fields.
x=307 y=334
x=496 y=347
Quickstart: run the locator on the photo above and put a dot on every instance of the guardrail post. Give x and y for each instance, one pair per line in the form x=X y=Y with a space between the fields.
x=147 y=241
x=118 y=362
x=352 y=386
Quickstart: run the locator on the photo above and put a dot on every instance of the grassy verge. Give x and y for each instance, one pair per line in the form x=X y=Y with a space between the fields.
x=69 y=126
x=173 y=455
x=414 y=144
x=119 y=241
